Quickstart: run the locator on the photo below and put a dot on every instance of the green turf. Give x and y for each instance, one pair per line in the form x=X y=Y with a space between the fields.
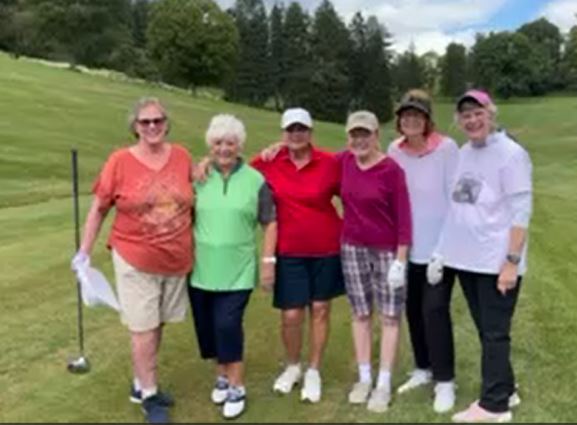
x=44 y=112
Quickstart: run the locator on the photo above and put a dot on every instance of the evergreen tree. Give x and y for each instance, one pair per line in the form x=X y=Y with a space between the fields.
x=379 y=80
x=139 y=22
x=409 y=71
x=454 y=70
x=329 y=96
x=7 y=12
x=277 y=46
x=251 y=76
x=296 y=82
x=370 y=67
x=358 y=64
x=430 y=63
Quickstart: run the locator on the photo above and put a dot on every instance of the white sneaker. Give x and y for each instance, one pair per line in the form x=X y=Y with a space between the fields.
x=418 y=377
x=220 y=391
x=234 y=404
x=288 y=379
x=514 y=400
x=360 y=393
x=444 y=397
x=379 y=400
x=312 y=386
x=476 y=414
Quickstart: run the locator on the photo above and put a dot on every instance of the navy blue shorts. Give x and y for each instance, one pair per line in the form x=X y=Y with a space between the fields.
x=218 y=321
x=302 y=280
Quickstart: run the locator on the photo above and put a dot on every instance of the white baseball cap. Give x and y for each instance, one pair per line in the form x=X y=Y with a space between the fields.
x=296 y=116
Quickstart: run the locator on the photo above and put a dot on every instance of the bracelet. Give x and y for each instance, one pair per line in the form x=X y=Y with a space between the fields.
x=269 y=260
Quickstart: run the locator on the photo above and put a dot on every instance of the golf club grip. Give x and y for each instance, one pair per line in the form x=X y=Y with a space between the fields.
x=74 y=153
x=75 y=198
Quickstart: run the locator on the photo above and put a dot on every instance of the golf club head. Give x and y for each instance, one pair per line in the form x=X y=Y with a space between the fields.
x=78 y=365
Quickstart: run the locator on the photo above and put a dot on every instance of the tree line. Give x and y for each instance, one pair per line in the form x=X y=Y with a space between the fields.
x=285 y=56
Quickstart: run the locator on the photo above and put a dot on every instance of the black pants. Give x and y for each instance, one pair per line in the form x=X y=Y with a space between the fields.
x=430 y=325
x=492 y=313
x=218 y=321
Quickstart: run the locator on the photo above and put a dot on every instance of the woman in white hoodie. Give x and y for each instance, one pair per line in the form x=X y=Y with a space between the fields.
x=429 y=160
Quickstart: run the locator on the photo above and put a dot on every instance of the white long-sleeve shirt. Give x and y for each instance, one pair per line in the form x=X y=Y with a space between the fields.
x=429 y=179
x=492 y=184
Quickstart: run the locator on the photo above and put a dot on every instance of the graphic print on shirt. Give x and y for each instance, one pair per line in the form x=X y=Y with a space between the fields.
x=467 y=189
x=161 y=205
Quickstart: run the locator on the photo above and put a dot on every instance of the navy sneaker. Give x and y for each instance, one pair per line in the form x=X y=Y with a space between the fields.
x=220 y=391
x=165 y=399
x=154 y=410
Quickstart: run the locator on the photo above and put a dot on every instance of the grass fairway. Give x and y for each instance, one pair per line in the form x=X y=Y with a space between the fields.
x=44 y=112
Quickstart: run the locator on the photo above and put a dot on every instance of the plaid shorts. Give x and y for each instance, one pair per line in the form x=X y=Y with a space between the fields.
x=365 y=271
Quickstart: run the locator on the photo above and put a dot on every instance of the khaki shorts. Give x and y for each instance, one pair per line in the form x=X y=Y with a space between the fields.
x=148 y=300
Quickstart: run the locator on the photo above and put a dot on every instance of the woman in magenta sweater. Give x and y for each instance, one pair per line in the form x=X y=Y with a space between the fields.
x=374 y=246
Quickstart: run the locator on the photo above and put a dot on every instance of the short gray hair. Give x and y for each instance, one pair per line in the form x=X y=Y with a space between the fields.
x=142 y=103
x=225 y=125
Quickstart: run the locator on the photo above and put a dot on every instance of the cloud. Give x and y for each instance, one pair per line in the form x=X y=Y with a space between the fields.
x=562 y=13
x=436 y=41
x=430 y=24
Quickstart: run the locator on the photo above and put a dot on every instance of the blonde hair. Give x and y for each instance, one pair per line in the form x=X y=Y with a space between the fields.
x=142 y=103
x=225 y=125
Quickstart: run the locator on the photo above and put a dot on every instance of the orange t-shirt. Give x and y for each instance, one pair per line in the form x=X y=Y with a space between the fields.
x=152 y=226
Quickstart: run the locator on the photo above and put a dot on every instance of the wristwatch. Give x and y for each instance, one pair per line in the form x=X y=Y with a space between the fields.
x=269 y=260
x=514 y=258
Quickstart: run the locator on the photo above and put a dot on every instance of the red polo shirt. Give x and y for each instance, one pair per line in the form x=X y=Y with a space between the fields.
x=308 y=223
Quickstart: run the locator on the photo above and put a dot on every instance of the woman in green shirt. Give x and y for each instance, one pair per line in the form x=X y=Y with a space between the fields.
x=230 y=203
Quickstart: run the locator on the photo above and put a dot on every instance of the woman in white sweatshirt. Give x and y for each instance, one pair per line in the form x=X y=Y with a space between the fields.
x=484 y=242
x=429 y=160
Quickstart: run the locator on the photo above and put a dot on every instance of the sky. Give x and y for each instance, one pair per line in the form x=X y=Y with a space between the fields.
x=433 y=24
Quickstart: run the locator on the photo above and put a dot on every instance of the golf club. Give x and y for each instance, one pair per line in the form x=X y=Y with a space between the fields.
x=80 y=363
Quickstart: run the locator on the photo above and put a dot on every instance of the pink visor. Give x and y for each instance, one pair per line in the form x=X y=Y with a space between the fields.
x=479 y=96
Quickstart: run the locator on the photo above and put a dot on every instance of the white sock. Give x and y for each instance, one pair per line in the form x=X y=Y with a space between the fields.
x=424 y=372
x=222 y=379
x=149 y=392
x=293 y=366
x=136 y=384
x=313 y=371
x=384 y=379
x=365 y=373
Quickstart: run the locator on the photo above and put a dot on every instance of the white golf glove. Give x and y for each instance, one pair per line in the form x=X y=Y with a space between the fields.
x=81 y=259
x=396 y=275
x=435 y=269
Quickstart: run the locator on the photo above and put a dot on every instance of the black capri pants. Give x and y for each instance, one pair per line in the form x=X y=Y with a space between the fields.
x=218 y=320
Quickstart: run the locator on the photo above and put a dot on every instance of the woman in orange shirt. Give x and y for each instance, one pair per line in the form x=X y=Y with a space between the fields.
x=149 y=185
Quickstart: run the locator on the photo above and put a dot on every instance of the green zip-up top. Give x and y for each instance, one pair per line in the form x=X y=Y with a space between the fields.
x=225 y=230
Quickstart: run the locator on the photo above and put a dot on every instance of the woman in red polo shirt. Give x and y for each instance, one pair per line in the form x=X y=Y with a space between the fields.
x=304 y=181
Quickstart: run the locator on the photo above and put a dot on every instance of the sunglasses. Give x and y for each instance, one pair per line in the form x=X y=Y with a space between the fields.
x=147 y=121
x=297 y=128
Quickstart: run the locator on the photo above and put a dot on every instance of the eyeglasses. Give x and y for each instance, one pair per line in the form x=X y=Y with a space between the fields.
x=147 y=121
x=297 y=128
